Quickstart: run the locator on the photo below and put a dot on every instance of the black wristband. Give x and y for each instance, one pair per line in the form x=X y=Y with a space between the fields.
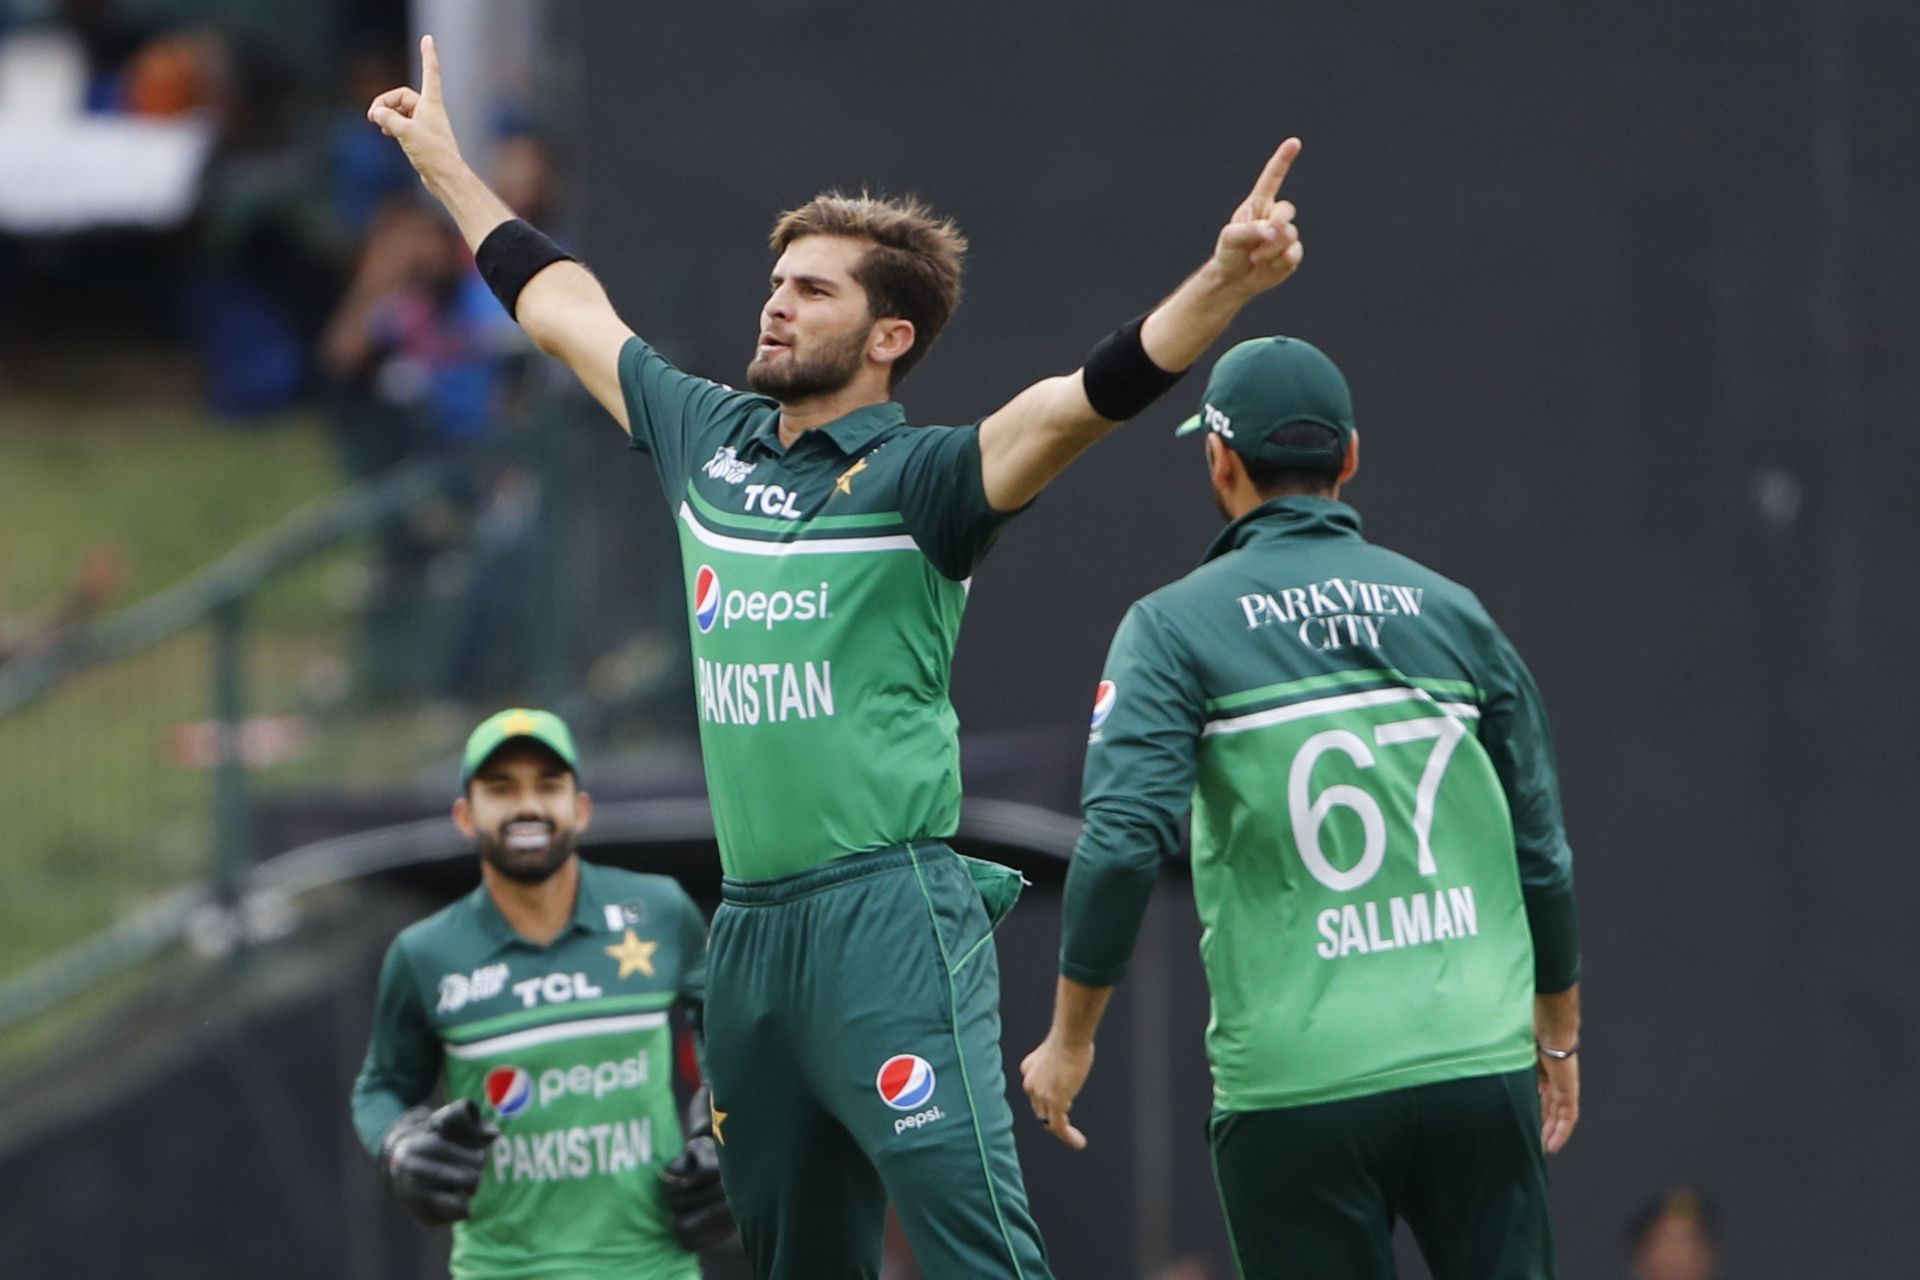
x=1120 y=379
x=512 y=254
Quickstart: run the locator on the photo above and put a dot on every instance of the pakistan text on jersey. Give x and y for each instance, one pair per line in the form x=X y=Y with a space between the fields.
x=583 y=1151
x=1412 y=921
x=1334 y=614
x=764 y=692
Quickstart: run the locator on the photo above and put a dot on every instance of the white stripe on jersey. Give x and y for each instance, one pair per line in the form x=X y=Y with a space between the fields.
x=1328 y=706
x=557 y=1031
x=812 y=547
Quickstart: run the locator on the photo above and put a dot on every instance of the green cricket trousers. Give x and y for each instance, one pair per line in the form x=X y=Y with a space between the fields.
x=1311 y=1192
x=853 y=1045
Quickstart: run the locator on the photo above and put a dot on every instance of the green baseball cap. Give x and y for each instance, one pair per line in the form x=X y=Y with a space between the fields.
x=1265 y=383
x=503 y=727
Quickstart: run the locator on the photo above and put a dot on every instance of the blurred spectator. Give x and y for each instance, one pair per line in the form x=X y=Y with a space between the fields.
x=179 y=72
x=110 y=38
x=415 y=361
x=523 y=177
x=412 y=353
x=96 y=581
x=367 y=170
x=268 y=256
x=1674 y=1238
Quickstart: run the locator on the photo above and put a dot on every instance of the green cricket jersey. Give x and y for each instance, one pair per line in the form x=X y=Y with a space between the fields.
x=825 y=584
x=567 y=1048
x=1379 y=860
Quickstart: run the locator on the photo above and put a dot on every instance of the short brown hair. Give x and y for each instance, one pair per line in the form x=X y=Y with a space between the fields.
x=912 y=273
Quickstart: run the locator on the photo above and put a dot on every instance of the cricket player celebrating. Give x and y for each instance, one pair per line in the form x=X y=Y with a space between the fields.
x=1378 y=861
x=853 y=1025
x=543 y=996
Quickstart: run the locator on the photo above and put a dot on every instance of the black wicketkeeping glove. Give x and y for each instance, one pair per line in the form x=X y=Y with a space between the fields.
x=701 y=1218
x=433 y=1159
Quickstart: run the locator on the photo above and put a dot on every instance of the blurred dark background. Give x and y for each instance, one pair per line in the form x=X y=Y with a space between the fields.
x=1622 y=293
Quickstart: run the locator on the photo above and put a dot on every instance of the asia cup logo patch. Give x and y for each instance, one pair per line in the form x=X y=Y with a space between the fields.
x=509 y=1089
x=1103 y=699
x=905 y=1081
x=706 y=598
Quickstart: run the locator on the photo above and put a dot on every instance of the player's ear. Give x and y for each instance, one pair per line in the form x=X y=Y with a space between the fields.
x=1220 y=460
x=1352 y=464
x=582 y=811
x=889 y=339
x=463 y=817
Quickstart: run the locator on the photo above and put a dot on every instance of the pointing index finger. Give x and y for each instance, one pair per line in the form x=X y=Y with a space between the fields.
x=429 y=70
x=1267 y=186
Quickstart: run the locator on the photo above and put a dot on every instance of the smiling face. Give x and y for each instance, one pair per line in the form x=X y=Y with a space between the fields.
x=816 y=327
x=523 y=811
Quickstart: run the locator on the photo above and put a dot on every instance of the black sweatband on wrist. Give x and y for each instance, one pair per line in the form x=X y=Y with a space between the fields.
x=1119 y=378
x=512 y=254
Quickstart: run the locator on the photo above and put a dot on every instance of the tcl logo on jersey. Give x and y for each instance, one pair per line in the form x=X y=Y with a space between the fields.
x=768 y=609
x=509 y=1089
x=772 y=500
x=555 y=988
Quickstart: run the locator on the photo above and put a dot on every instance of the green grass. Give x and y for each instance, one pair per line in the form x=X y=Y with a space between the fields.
x=104 y=814
x=156 y=483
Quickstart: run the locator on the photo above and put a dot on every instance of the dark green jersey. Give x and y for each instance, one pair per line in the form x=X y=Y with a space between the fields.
x=1379 y=860
x=567 y=1048
x=825 y=584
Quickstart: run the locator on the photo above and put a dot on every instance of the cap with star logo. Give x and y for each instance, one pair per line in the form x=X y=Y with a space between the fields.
x=514 y=723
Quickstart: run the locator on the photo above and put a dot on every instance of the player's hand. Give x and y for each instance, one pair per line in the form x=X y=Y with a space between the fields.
x=1053 y=1076
x=433 y=1159
x=690 y=1182
x=1559 y=1080
x=418 y=121
x=1556 y=1024
x=1260 y=245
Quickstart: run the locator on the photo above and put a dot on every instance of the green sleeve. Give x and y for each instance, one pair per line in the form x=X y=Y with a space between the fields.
x=1513 y=729
x=944 y=499
x=668 y=408
x=693 y=950
x=1137 y=790
x=404 y=1057
x=693 y=976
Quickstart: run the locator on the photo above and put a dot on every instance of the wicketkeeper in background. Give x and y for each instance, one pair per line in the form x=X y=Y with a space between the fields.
x=543 y=996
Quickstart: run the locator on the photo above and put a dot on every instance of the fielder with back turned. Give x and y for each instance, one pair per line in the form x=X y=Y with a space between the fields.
x=1379 y=864
x=543 y=997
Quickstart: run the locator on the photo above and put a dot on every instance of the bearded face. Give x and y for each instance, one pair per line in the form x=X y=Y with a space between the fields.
x=523 y=811
x=800 y=369
x=525 y=849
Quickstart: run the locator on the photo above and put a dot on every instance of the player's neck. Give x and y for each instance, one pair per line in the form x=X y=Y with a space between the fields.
x=537 y=912
x=804 y=415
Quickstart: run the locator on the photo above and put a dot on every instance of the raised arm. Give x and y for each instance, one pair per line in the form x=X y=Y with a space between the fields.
x=1032 y=438
x=562 y=308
